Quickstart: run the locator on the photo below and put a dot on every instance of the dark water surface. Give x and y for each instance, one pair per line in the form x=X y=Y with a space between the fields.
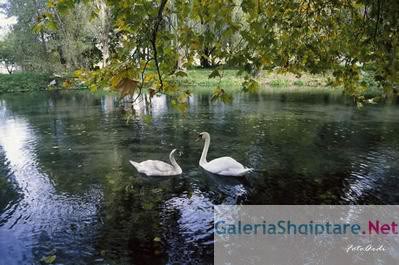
x=67 y=189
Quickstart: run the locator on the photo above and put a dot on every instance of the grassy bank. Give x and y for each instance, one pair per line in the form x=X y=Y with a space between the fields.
x=23 y=82
x=198 y=82
x=273 y=83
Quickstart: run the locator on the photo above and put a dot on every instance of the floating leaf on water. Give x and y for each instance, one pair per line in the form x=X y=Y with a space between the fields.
x=148 y=205
x=48 y=259
x=111 y=181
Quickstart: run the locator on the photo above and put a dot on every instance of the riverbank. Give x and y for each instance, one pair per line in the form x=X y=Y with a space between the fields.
x=230 y=81
x=198 y=81
x=23 y=82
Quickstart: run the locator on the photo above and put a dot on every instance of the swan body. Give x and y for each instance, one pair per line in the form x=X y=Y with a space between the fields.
x=224 y=166
x=158 y=168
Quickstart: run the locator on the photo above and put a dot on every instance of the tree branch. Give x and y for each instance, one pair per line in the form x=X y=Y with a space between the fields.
x=154 y=39
x=142 y=79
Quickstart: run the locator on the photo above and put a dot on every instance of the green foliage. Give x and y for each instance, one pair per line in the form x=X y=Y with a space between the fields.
x=250 y=85
x=222 y=95
x=30 y=48
x=8 y=53
x=278 y=82
x=57 y=36
x=151 y=43
x=373 y=87
x=298 y=83
x=23 y=82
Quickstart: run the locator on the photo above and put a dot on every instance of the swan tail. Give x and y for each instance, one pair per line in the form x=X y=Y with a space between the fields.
x=135 y=164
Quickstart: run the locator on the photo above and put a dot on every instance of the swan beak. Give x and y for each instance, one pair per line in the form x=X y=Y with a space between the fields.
x=198 y=138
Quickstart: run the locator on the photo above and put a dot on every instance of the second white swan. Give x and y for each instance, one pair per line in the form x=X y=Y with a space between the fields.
x=225 y=166
x=158 y=168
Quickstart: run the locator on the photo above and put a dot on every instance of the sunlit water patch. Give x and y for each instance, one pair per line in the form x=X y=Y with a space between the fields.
x=43 y=221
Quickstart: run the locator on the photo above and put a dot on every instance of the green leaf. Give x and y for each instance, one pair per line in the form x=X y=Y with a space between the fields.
x=215 y=73
x=127 y=86
x=220 y=94
x=251 y=86
x=51 y=25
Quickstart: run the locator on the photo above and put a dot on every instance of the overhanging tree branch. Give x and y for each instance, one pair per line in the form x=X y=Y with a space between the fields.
x=154 y=39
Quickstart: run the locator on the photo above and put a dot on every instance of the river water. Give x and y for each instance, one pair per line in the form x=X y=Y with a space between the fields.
x=67 y=189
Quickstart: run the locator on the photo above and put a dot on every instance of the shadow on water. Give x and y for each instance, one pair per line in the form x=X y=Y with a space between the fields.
x=67 y=188
x=9 y=193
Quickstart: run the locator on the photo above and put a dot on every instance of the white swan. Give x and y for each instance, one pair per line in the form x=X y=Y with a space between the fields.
x=225 y=166
x=158 y=168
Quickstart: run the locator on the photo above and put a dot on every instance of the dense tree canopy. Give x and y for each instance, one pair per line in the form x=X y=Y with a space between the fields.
x=148 y=44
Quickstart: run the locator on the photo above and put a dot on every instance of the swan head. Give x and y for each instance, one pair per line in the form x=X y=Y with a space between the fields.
x=173 y=152
x=203 y=135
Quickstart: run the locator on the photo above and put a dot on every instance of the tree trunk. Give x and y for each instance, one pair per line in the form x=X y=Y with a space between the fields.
x=42 y=39
x=204 y=59
x=9 y=69
x=105 y=25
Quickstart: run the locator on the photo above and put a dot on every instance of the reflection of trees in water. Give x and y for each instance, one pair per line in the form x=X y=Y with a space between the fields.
x=132 y=222
x=41 y=221
x=72 y=135
x=338 y=159
x=149 y=220
x=8 y=190
x=304 y=154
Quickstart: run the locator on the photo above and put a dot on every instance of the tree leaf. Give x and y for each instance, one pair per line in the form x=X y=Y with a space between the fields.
x=127 y=86
x=152 y=92
x=251 y=86
x=220 y=94
x=215 y=73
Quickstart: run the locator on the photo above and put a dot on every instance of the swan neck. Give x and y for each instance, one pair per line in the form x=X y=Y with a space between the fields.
x=173 y=161
x=205 y=150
